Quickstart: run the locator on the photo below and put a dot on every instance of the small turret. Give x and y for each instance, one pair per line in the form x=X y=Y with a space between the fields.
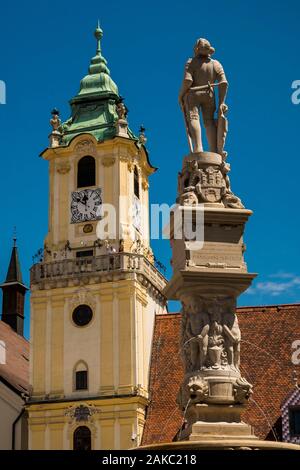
x=14 y=294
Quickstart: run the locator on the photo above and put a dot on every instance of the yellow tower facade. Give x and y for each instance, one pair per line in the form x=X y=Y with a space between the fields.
x=95 y=293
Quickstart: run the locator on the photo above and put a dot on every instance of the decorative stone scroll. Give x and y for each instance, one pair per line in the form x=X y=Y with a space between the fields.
x=82 y=296
x=81 y=413
x=63 y=168
x=85 y=147
x=108 y=161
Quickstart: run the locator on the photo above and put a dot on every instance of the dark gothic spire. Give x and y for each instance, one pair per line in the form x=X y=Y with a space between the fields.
x=14 y=270
x=14 y=293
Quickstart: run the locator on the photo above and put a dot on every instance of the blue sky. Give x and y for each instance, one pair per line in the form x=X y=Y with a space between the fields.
x=45 y=51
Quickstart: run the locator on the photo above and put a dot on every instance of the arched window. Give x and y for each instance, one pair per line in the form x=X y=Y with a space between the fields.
x=136 y=183
x=86 y=172
x=81 y=376
x=82 y=438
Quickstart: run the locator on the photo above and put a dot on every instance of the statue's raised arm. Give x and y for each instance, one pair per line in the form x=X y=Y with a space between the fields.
x=201 y=77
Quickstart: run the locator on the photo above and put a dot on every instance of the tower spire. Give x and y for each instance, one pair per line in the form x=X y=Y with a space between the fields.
x=14 y=292
x=98 y=62
x=14 y=273
x=94 y=106
x=15 y=236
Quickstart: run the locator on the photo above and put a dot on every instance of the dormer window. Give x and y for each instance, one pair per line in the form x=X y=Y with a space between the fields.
x=290 y=416
x=86 y=172
x=294 y=414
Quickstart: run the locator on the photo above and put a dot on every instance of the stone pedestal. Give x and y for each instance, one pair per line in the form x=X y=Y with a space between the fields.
x=54 y=138
x=122 y=128
x=203 y=430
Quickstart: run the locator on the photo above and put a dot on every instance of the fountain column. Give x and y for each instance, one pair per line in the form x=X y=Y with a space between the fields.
x=209 y=273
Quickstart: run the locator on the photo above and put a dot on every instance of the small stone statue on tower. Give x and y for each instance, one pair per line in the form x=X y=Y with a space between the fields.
x=121 y=123
x=55 y=122
x=202 y=74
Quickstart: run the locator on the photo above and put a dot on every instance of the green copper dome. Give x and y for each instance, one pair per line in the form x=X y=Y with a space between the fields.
x=94 y=107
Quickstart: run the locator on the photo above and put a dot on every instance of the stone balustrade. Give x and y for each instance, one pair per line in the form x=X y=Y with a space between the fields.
x=86 y=266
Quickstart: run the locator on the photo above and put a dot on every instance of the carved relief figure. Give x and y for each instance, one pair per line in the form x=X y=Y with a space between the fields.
x=187 y=175
x=197 y=328
x=202 y=74
x=229 y=199
x=188 y=198
x=232 y=335
x=215 y=337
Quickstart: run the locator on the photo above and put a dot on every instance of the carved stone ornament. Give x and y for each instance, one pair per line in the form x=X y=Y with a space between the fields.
x=188 y=197
x=108 y=161
x=194 y=390
x=82 y=296
x=210 y=184
x=85 y=147
x=242 y=390
x=230 y=200
x=202 y=183
x=124 y=158
x=197 y=389
x=81 y=413
x=210 y=335
x=63 y=168
x=131 y=165
x=145 y=184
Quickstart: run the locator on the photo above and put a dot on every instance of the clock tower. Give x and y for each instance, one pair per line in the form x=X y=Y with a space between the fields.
x=95 y=293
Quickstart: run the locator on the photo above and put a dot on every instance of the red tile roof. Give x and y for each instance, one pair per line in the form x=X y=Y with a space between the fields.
x=16 y=369
x=266 y=350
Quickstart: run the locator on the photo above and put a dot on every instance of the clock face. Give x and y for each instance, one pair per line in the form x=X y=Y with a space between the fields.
x=86 y=205
x=136 y=214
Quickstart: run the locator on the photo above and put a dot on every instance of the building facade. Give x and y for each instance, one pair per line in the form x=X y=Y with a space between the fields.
x=95 y=293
